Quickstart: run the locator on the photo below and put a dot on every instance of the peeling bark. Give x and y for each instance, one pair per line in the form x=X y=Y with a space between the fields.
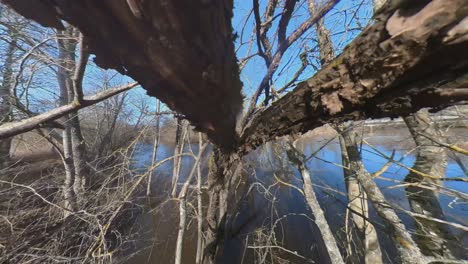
x=392 y=68
x=411 y=57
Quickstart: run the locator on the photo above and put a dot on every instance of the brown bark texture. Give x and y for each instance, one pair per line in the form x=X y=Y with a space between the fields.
x=413 y=56
x=180 y=51
x=410 y=58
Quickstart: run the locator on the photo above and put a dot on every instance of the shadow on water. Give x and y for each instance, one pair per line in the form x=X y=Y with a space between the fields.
x=277 y=215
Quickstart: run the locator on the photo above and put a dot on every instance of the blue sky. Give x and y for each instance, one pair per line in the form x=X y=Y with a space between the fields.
x=343 y=21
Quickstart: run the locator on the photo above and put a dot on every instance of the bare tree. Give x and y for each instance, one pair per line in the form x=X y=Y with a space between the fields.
x=408 y=250
x=383 y=72
x=434 y=239
x=182 y=197
x=181 y=134
x=356 y=196
x=358 y=199
x=70 y=77
x=299 y=160
x=157 y=138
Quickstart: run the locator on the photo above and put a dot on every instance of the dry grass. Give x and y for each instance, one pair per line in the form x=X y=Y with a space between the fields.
x=33 y=228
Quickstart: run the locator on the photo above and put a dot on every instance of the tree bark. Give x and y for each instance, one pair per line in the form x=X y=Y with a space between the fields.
x=434 y=239
x=225 y=170
x=181 y=133
x=157 y=137
x=182 y=197
x=180 y=51
x=64 y=47
x=298 y=159
x=358 y=202
x=408 y=251
x=393 y=68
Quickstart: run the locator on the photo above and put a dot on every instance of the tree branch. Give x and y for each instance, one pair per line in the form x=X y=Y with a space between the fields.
x=393 y=68
x=28 y=124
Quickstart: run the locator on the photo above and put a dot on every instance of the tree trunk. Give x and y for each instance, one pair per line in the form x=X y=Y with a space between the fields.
x=297 y=158
x=199 y=256
x=364 y=82
x=157 y=137
x=5 y=100
x=181 y=133
x=66 y=49
x=225 y=170
x=407 y=248
x=435 y=239
x=356 y=196
x=79 y=154
x=358 y=202
x=182 y=197
x=67 y=64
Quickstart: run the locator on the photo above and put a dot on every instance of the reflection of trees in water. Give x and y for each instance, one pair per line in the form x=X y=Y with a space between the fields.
x=434 y=238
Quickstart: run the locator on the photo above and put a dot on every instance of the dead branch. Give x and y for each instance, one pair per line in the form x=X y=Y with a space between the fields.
x=28 y=124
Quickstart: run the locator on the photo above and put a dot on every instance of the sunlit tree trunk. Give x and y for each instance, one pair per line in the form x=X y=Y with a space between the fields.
x=157 y=137
x=181 y=132
x=356 y=196
x=182 y=197
x=63 y=77
x=435 y=239
x=68 y=40
x=358 y=202
x=199 y=256
x=298 y=159
x=5 y=101
x=408 y=250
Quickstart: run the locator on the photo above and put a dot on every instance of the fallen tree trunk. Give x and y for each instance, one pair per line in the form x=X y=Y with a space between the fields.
x=411 y=57
x=408 y=59
x=181 y=52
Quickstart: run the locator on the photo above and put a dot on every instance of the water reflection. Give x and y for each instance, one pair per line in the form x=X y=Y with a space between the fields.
x=282 y=208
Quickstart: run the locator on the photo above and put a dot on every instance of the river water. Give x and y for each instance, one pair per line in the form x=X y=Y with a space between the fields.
x=283 y=207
